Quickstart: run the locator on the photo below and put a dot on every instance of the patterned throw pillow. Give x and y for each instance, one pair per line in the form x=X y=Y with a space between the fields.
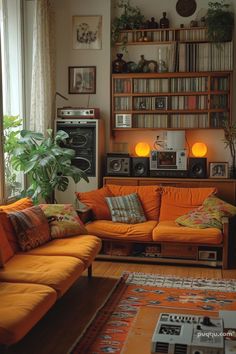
x=31 y=227
x=208 y=215
x=63 y=220
x=127 y=209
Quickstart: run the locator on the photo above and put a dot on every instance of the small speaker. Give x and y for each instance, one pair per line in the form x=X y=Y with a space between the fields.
x=118 y=165
x=140 y=166
x=197 y=167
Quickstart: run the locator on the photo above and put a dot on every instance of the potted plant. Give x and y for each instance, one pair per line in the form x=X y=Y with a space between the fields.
x=46 y=163
x=219 y=21
x=11 y=130
x=131 y=18
x=230 y=142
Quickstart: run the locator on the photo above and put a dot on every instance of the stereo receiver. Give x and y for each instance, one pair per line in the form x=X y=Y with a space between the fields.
x=168 y=160
x=71 y=112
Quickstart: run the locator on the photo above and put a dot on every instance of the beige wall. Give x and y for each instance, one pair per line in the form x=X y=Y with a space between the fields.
x=66 y=56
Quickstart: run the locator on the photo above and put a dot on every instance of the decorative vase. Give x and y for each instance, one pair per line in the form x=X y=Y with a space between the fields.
x=164 y=22
x=119 y=65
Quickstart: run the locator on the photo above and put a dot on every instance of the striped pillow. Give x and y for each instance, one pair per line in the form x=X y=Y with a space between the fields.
x=127 y=209
x=31 y=227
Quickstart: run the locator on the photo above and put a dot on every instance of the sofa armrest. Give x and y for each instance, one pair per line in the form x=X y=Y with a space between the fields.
x=229 y=242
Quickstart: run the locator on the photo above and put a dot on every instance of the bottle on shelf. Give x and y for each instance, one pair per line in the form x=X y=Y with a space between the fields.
x=164 y=22
x=119 y=65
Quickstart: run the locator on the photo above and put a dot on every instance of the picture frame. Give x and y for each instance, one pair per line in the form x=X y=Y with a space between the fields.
x=218 y=170
x=161 y=103
x=87 y=32
x=82 y=79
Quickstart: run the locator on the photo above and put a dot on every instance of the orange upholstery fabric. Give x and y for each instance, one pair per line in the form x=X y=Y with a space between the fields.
x=150 y=197
x=22 y=306
x=18 y=205
x=84 y=247
x=95 y=200
x=107 y=229
x=58 y=272
x=5 y=247
x=171 y=231
x=178 y=201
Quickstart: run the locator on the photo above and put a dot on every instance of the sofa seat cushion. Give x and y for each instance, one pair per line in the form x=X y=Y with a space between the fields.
x=170 y=231
x=84 y=247
x=179 y=201
x=22 y=306
x=58 y=272
x=150 y=197
x=107 y=229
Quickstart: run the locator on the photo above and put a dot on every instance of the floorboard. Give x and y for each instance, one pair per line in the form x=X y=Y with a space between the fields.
x=58 y=330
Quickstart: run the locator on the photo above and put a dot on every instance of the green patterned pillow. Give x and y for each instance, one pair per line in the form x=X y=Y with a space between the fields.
x=127 y=209
x=208 y=215
x=31 y=227
x=63 y=220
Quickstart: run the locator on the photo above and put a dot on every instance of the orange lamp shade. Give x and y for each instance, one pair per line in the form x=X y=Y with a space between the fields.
x=199 y=149
x=142 y=149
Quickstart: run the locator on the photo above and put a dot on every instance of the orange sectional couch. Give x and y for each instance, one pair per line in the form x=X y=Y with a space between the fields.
x=162 y=205
x=31 y=282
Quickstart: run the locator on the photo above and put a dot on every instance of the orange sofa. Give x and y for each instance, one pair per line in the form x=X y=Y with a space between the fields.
x=162 y=205
x=31 y=282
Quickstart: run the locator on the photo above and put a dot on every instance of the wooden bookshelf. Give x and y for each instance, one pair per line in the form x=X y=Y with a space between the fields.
x=171 y=100
x=195 y=93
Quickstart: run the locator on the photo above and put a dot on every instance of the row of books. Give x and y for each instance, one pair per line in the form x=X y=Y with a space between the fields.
x=191 y=102
x=123 y=104
x=150 y=85
x=195 y=57
x=180 y=84
x=189 y=121
x=150 y=121
x=164 y=35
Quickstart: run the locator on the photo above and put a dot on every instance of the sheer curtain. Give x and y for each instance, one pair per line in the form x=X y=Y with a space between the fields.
x=43 y=68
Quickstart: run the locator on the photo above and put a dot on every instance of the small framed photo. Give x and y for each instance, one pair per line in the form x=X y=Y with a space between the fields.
x=161 y=103
x=87 y=32
x=218 y=170
x=82 y=79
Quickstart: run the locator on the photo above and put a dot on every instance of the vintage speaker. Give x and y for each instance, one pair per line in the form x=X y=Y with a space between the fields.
x=140 y=166
x=118 y=164
x=197 y=167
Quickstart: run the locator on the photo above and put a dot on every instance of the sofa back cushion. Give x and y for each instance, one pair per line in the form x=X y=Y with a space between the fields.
x=179 y=201
x=149 y=196
x=20 y=204
x=95 y=200
x=5 y=247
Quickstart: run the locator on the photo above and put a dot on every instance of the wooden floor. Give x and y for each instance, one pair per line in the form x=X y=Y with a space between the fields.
x=58 y=330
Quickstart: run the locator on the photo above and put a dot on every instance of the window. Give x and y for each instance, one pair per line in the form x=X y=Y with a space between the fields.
x=12 y=92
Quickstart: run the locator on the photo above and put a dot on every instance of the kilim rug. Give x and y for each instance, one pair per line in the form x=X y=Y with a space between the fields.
x=109 y=328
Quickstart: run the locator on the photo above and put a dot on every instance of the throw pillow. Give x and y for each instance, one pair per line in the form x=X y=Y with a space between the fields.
x=95 y=200
x=31 y=227
x=63 y=220
x=126 y=209
x=208 y=215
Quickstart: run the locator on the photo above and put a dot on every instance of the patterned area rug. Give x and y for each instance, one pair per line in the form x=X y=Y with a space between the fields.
x=109 y=328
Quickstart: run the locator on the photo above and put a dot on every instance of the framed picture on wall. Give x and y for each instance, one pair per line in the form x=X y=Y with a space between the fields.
x=82 y=79
x=87 y=32
x=218 y=170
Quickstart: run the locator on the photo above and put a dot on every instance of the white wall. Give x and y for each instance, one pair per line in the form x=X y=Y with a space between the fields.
x=66 y=56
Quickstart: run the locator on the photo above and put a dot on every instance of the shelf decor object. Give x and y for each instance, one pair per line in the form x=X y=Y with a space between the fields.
x=199 y=150
x=142 y=149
